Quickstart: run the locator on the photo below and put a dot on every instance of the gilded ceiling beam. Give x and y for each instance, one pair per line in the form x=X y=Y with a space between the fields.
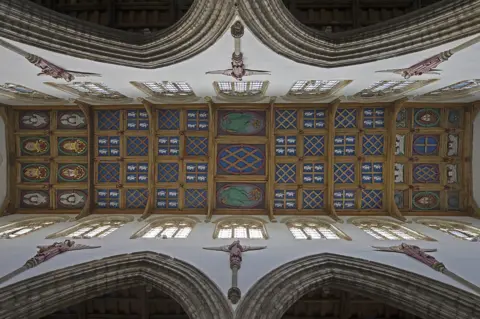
x=149 y=108
x=390 y=142
x=466 y=162
x=271 y=160
x=330 y=183
x=90 y=204
x=211 y=159
x=9 y=203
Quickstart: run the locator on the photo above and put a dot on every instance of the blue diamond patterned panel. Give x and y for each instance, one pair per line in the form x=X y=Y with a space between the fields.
x=137 y=198
x=346 y=118
x=137 y=146
x=426 y=173
x=313 y=145
x=344 y=199
x=285 y=119
x=168 y=120
x=241 y=159
x=196 y=146
x=286 y=145
x=108 y=198
x=313 y=173
x=167 y=198
x=108 y=146
x=197 y=120
x=108 y=173
x=286 y=173
x=197 y=172
x=285 y=199
x=312 y=199
x=167 y=172
x=314 y=119
x=374 y=118
x=195 y=198
x=372 y=199
x=373 y=144
x=137 y=172
x=168 y=146
x=426 y=144
x=344 y=145
x=108 y=120
x=137 y=120
x=372 y=173
x=344 y=173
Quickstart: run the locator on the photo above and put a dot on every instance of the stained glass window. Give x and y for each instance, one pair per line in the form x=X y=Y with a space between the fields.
x=453 y=228
x=240 y=229
x=388 y=230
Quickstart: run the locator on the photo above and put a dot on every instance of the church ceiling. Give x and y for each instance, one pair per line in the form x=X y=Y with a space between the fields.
x=271 y=159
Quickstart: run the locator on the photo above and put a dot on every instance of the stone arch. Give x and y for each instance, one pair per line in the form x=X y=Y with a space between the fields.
x=38 y=296
x=277 y=291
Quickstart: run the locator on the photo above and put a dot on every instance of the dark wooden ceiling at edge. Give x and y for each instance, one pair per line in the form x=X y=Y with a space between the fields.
x=154 y=15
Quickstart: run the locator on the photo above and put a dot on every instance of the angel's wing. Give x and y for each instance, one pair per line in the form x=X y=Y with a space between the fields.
x=80 y=247
x=389 y=71
x=247 y=248
x=255 y=72
x=224 y=72
x=222 y=248
x=394 y=249
x=434 y=71
x=80 y=74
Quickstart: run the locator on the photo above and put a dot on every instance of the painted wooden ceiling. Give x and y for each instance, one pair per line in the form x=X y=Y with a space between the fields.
x=309 y=159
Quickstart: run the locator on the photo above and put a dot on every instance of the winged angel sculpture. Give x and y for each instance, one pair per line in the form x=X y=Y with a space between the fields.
x=428 y=66
x=238 y=70
x=47 y=67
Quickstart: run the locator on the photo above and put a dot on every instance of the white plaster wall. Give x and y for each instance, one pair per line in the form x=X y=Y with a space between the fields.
x=476 y=159
x=284 y=72
x=459 y=256
x=3 y=162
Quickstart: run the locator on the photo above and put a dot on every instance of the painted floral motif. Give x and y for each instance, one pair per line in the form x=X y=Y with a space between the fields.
x=427 y=117
x=34 y=146
x=71 y=120
x=240 y=195
x=36 y=120
x=242 y=123
x=34 y=199
x=72 y=146
x=72 y=172
x=426 y=200
x=71 y=199
x=35 y=173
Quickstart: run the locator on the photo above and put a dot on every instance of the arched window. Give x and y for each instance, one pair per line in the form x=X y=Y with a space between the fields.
x=310 y=228
x=387 y=230
x=96 y=227
x=26 y=226
x=457 y=229
x=167 y=227
x=239 y=228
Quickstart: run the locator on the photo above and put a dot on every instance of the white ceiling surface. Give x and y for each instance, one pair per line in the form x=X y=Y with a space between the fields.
x=284 y=72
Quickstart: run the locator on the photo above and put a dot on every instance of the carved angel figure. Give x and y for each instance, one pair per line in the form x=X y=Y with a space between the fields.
x=235 y=250
x=47 y=67
x=238 y=70
x=415 y=252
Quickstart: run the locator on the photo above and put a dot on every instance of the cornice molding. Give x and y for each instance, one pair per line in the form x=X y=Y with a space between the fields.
x=269 y=20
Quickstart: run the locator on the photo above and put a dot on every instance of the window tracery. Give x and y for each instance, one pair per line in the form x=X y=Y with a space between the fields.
x=388 y=90
x=91 y=91
x=240 y=228
x=20 y=92
x=387 y=230
x=167 y=227
x=457 y=229
x=315 y=89
x=97 y=227
x=308 y=228
x=245 y=90
x=23 y=227
x=457 y=90
x=166 y=90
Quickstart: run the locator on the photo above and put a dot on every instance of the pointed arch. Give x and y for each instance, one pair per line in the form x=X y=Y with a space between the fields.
x=277 y=291
x=41 y=295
